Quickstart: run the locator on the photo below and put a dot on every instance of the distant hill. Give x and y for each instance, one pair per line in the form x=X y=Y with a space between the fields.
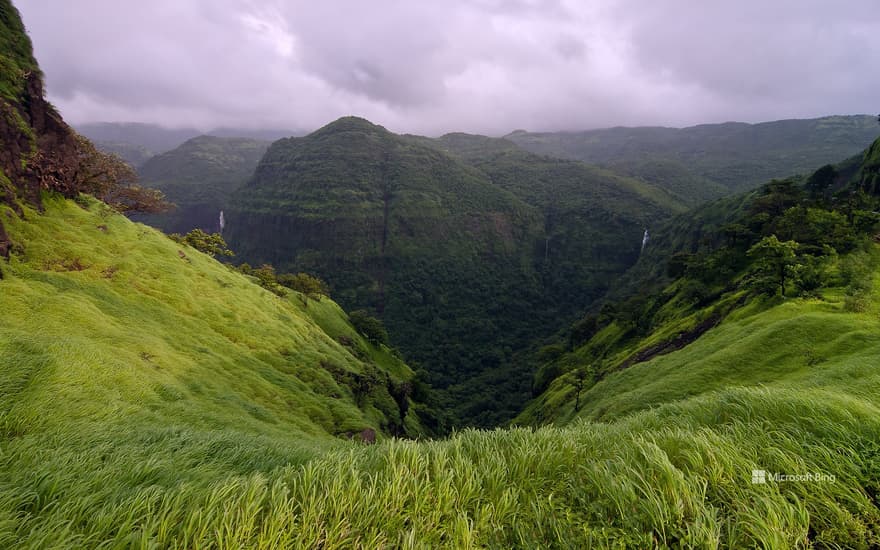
x=136 y=142
x=150 y=137
x=706 y=161
x=199 y=176
x=466 y=268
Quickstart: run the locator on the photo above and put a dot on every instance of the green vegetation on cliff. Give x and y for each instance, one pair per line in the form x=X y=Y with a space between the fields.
x=16 y=55
x=467 y=261
x=199 y=177
x=810 y=239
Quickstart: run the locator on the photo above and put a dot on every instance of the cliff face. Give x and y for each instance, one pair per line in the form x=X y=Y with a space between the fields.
x=38 y=149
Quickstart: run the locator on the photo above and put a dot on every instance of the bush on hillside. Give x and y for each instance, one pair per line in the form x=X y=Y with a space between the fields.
x=266 y=277
x=211 y=244
x=773 y=264
x=112 y=180
x=370 y=327
x=309 y=285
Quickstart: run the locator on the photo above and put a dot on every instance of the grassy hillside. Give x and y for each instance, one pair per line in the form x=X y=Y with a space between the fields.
x=147 y=412
x=467 y=262
x=134 y=328
x=199 y=176
x=735 y=156
x=811 y=239
x=151 y=397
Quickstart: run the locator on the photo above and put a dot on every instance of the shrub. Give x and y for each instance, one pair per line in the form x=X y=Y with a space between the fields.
x=113 y=181
x=266 y=278
x=307 y=284
x=856 y=303
x=211 y=244
x=370 y=327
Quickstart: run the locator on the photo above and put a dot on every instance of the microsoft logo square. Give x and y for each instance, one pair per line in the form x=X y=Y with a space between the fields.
x=759 y=476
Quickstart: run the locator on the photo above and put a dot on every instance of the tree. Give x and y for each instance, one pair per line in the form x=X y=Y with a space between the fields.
x=113 y=181
x=211 y=244
x=775 y=198
x=774 y=261
x=820 y=181
x=371 y=328
x=307 y=284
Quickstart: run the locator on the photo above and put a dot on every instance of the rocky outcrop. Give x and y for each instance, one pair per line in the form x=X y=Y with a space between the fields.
x=38 y=150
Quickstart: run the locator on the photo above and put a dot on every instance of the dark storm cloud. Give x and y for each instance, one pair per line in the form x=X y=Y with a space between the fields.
x=473 y=65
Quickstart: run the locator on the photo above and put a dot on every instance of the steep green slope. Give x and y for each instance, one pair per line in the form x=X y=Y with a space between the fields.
x=467 y=265
x=551 y=182
x=16 y=54
x=789 y=238
x=199 y=176
x=151 y=399
x=590 y=215
x=132 y=324
x=167 y=401
x=675 y=177
x=736 y=156
x=426 y=242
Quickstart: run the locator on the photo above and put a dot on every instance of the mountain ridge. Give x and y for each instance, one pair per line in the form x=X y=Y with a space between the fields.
x=737 y=156
x=396 y=224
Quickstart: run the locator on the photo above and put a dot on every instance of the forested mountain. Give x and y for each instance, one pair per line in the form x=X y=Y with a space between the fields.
x=802 y=237
x=467 y=263
x=199 y=176
x=711 y=160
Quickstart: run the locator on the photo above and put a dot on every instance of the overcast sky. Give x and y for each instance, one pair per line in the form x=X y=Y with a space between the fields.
x=488 y=66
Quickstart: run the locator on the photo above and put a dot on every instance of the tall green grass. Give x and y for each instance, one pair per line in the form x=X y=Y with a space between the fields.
x=678 y=476
x=113 y=321
x=174 y=404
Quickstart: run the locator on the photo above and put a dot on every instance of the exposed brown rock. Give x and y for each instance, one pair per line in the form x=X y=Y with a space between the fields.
x=39 y=149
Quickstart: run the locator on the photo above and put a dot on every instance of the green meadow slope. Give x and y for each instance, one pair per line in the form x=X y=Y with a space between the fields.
x=155 y=400
x=134 y=327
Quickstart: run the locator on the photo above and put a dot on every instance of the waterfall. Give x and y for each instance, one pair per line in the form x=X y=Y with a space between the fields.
x=645 y=239
x=223 y=222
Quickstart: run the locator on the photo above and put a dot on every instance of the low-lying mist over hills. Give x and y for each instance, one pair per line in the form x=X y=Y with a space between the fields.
x=634 y=337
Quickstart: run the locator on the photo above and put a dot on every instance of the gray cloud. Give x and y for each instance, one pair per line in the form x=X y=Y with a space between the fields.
x=473 y=65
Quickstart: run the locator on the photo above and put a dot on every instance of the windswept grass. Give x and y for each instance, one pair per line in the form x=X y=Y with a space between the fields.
x=114 y=321
x=676 y=476
x=153 y=400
